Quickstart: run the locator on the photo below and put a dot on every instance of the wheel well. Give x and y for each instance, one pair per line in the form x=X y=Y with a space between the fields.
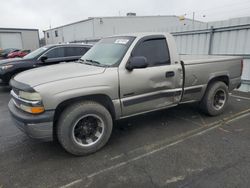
x=100 y=98
x=224 y=79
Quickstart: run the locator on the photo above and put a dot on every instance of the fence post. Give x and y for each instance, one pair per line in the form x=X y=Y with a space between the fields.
x=210 y=44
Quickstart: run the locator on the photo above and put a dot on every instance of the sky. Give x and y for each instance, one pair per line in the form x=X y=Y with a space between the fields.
x=43 y=14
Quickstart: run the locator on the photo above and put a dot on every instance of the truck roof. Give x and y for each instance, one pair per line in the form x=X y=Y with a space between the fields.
x=69 y=45
x=141 y=34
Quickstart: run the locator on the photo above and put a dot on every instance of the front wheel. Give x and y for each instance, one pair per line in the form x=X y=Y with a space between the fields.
x=84 y=128
x=215 y=99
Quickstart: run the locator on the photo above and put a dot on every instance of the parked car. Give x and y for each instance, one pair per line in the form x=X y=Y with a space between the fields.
x=47 y=55
x=119 y=77
x=20 y=53
x=4 y=53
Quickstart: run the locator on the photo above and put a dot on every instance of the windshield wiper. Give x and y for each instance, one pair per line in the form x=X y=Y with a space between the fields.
x=83 y=61
x=80 y=61
x=93 y=62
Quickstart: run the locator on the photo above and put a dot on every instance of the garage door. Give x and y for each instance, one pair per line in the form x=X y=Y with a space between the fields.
x=10 y=40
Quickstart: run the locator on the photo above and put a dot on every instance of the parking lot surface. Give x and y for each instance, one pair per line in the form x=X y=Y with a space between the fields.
x=178 y=147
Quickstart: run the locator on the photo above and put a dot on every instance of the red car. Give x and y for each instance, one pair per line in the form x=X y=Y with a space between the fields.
x=20 y=53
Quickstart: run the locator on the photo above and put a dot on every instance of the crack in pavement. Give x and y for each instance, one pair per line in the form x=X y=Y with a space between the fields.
x=146 y=173
x=213 y=171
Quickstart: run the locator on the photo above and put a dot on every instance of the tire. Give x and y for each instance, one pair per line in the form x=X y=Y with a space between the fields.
x=84 y=116
x=215 y=99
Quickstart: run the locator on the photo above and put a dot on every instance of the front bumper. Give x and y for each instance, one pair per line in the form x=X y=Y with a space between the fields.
x=36 y=126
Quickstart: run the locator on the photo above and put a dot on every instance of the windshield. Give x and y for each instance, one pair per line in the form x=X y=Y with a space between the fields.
x=108 y=51
x=35 y=53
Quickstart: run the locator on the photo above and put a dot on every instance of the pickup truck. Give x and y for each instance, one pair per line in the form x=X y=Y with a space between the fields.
x=119 y=77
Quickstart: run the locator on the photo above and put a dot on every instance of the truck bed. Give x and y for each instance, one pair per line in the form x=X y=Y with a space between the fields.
x=199 y=69
x=197 y=59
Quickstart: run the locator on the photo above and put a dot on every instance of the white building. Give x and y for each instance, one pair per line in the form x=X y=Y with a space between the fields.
x=27 y=39
x=97 y=27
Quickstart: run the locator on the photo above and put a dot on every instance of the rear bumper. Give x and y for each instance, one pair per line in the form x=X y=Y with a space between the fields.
x=234 y=83
x=36 y=126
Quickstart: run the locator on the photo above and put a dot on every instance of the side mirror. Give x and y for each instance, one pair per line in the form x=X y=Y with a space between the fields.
x=138 y=62
x=43 y=58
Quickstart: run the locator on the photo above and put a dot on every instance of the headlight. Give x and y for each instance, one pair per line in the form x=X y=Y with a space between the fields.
x=30 y=96
x=5 y=67
x=30 y=102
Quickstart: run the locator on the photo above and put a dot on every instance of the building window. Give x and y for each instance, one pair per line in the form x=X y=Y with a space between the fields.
x=56 y=33
x=48 y=35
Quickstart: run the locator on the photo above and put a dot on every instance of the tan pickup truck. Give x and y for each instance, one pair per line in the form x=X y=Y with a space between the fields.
x=119 y=77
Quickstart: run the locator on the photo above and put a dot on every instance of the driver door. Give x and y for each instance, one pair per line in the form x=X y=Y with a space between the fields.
x=150 y=88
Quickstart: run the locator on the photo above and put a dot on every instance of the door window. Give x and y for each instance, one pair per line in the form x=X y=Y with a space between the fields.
x=55 y=53
x=155 y=50
x=75 y=51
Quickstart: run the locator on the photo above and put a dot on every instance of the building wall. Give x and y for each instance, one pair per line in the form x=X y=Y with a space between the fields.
x=71 y=33
x=119 y=25
x=95 y=28
x=29 y=37
x=229 y=37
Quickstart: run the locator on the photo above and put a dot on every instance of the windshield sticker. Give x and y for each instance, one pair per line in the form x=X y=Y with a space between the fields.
x=121 y=41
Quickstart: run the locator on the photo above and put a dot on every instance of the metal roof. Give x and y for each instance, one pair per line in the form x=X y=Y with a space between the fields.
x=116 y=17
x=24 y=29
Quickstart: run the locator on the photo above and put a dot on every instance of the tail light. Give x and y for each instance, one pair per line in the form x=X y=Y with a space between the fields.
x=241 y=66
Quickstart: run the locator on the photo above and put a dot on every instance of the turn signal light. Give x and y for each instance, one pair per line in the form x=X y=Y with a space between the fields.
x=32 y=110
x=37 y=110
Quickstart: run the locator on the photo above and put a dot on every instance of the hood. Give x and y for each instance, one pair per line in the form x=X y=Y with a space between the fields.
x=58 y=72
x=12 y=61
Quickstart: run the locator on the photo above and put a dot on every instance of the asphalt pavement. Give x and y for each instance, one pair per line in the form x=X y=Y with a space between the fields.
x=178 y=147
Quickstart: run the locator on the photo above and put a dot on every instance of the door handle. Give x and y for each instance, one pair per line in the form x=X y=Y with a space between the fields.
x=169 y=74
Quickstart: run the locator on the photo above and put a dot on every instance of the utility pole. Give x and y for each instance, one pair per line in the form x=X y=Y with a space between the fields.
x=193 y=17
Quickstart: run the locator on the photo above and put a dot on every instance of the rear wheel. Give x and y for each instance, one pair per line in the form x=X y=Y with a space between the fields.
x=84 y=128
x=215 y=99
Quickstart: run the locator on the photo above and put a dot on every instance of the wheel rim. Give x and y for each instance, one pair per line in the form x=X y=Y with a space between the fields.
x=219 y=99
x=88 y=130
